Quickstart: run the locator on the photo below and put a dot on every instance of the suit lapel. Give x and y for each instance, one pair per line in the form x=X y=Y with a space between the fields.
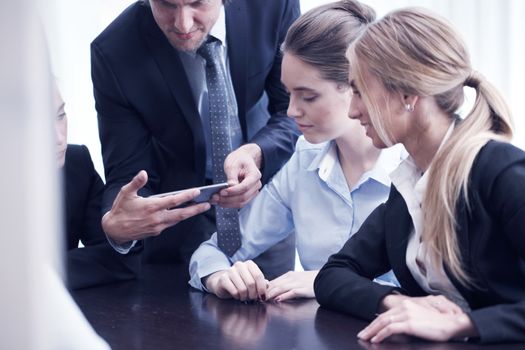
x=236 y=27
x=398 y=227
x=172 y=70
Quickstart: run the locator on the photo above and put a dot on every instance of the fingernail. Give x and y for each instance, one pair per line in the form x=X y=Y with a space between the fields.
x=263 y=297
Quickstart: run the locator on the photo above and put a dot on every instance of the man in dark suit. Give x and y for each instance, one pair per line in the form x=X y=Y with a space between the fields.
x=151 y=99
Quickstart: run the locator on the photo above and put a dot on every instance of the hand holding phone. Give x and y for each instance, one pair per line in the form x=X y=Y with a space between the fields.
x=204 y=196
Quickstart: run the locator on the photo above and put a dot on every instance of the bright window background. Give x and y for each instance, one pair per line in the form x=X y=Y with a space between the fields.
x=493 y=30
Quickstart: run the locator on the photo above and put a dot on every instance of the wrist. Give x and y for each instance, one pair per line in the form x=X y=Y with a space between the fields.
x=464 y=328
x=255 y=152
x=389 y=301
x=210 y=282
x=107 y=224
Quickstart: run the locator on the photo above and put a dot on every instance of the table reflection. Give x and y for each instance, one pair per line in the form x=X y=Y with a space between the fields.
x=159 y=311
x=259 y=325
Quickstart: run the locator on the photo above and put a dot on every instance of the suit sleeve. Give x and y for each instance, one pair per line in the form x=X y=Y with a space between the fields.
x=125 y=139
x=97 y=263
x=277 y=139
x=503 y=193
x=345 y=282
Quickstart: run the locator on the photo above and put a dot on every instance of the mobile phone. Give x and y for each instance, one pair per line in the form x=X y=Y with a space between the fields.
x=204 y=196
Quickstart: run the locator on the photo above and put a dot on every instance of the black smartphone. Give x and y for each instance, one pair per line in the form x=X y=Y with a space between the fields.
x=204 y=196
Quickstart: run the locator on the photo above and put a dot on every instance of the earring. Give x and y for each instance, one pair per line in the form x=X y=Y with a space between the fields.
x=409 y=107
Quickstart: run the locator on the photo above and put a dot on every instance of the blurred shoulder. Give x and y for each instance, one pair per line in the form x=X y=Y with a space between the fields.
x=78 y=157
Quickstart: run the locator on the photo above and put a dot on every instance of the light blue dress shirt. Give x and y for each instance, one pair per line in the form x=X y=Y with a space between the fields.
x=309 y=195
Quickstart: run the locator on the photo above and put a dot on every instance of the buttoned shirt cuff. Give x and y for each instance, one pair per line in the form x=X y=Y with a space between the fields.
x=121 y=248
x=207 y=259
x=204 y=270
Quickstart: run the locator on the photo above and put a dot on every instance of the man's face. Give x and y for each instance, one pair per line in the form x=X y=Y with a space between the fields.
x=186 y=23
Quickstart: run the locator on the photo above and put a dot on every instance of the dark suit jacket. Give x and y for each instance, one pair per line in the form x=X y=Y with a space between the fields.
x=491 y=237
x=148 y=118
x=96 y=263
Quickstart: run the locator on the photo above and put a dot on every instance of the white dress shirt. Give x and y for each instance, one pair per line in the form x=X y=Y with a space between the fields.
x=411 y=183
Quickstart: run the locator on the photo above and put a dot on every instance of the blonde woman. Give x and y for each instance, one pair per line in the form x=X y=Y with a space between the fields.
x=453 y=228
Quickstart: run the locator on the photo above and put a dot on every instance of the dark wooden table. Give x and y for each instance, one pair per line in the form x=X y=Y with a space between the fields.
x=160 y=311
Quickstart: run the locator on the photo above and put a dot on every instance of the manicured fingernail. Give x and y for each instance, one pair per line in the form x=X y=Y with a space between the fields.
x=263 y=297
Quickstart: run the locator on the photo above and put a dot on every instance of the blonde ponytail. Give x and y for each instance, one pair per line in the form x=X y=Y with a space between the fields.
x=489 y=119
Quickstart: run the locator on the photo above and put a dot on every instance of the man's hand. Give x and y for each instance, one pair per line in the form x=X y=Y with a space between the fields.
x=243 y=281
x=133 y=217
x=293 y=284
x=244 y=177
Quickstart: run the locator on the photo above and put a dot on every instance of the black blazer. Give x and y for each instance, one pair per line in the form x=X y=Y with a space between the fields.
x=148 y=118
x=491 y=237
x=96 y=263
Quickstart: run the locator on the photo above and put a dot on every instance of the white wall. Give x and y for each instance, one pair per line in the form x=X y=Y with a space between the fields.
x=70 y=29
x=493 y=30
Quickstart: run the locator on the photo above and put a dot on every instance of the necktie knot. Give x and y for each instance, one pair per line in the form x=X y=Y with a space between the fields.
x=209 y=50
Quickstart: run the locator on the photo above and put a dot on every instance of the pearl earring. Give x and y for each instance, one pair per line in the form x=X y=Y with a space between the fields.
x=409 y=107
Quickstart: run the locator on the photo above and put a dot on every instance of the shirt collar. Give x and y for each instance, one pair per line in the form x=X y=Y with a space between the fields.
x=387 y=161
x=218 y=31
x=324 y=160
